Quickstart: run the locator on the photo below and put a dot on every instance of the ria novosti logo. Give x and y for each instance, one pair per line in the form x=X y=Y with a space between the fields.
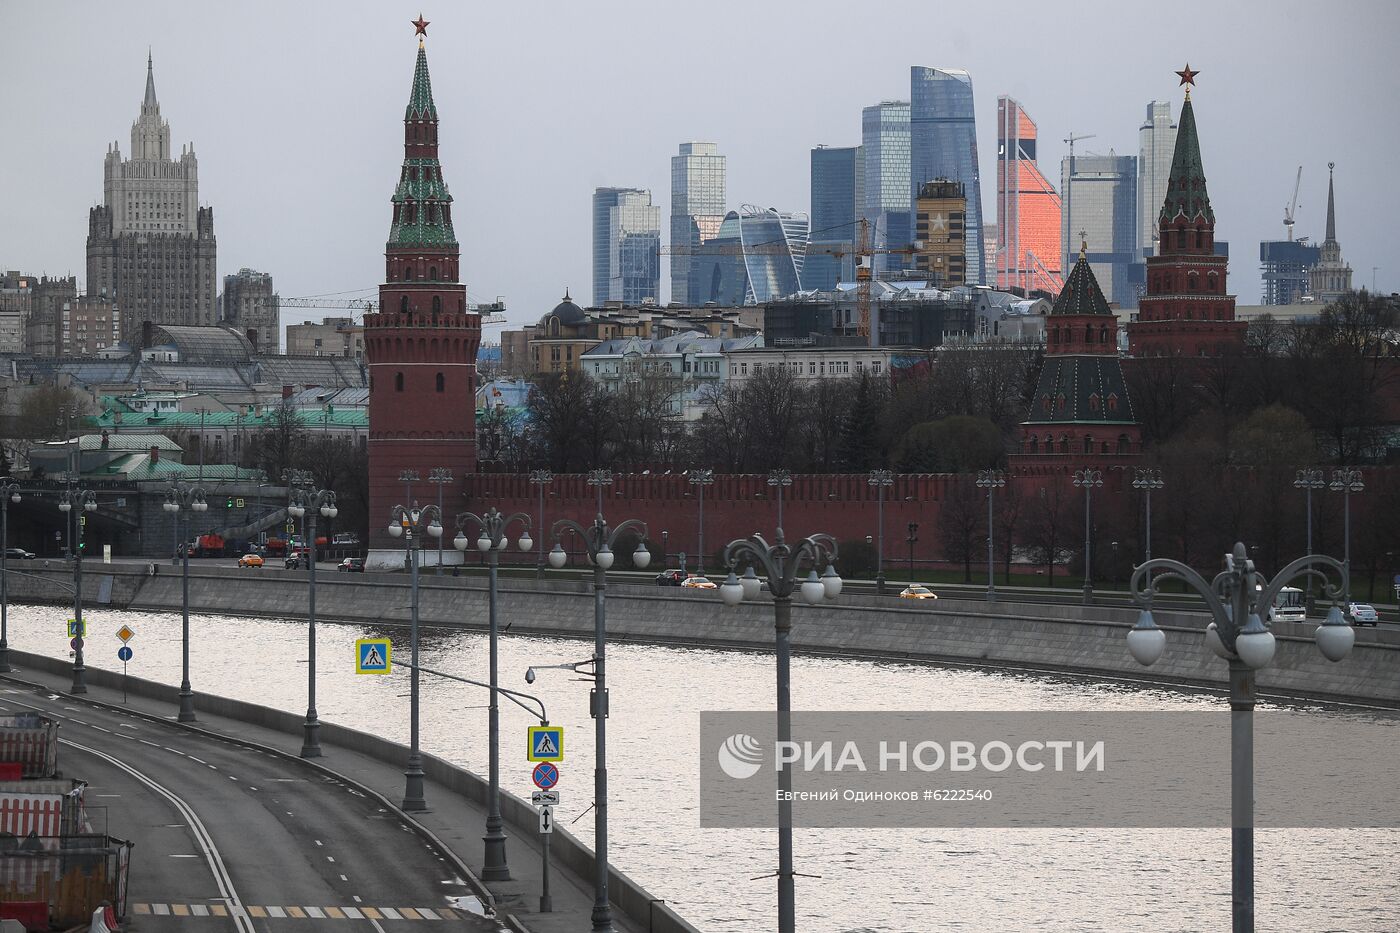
x=740 y=756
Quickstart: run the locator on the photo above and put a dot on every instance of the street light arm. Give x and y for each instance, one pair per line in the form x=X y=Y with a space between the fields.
x=510 y=694
x=1144 y=585
x=630 y=523
x=568 y=524
x=1305 y=567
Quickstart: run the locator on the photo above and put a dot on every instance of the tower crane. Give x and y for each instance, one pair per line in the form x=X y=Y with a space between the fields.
x=1069 y=189
x=1293 y=206
x=863 y=252
x=491 y=313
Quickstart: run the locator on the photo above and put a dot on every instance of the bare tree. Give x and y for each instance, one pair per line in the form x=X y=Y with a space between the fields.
x=962 y=524
x=1048 y=523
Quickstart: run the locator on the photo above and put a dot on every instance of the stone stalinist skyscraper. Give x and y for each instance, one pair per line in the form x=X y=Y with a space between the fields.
x=150 y=245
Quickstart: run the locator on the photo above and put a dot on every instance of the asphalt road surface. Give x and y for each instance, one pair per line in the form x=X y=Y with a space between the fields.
x=233 y=839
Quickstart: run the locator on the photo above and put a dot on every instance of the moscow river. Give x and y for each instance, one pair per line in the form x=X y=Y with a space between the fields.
x=914 y=879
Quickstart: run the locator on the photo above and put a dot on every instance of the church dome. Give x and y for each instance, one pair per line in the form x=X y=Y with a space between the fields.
x=568 y=313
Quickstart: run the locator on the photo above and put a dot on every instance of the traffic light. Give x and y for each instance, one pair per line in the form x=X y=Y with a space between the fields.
x=229 y=505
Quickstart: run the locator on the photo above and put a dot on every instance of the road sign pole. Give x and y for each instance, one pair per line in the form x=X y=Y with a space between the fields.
x=494 y=867
x=546 y=902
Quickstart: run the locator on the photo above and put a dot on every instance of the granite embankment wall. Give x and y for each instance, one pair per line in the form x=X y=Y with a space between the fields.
x=1065 y=638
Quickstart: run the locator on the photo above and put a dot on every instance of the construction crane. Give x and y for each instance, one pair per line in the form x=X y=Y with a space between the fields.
x=863 y=253
x=1069 y=184
x=491 y=313
x=1292 y=208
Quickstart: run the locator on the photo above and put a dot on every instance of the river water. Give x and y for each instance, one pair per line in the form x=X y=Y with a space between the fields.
x=870 y=879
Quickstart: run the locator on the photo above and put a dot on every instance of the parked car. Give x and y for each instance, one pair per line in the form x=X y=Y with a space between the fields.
x=1363 y=614
x=18 y=553
x=694 y=582
x=351 y=565
x=913 y=591
x=670 y=577
x=250 y=560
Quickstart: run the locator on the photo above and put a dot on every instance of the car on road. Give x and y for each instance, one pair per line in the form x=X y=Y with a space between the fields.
x=914 y=591
x=18 y=553
x=1363 y=613
x=295 y=562
x=351 y=565
x=695 y=582
x=670 y=577
x=250 y=560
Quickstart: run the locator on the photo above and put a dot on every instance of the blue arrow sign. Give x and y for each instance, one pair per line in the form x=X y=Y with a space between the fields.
x=124 y=653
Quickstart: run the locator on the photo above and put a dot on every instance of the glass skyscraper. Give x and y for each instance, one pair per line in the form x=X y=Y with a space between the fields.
x=1156 y=143
x=943 y=144
x=1100 y=201
x=697 y=208
x=1028 y=209
x=838 y=185
x=757 y=256
x=885 y=140
x=626 y=247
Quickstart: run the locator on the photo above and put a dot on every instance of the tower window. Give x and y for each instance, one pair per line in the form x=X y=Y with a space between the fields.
x=432 y=273
x=407 y=273
x=441 y=383
x=398 y=382
x=403 y=303
x=437 y=303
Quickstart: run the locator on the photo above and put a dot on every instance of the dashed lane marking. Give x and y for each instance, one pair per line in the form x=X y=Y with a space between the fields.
x=301 y=912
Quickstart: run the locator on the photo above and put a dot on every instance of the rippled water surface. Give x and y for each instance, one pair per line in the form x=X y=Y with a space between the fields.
x=870 y=880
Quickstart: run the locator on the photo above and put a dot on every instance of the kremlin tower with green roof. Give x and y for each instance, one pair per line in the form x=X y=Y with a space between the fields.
x=421 y=343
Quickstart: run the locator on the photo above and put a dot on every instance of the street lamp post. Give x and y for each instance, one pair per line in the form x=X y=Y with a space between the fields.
x=598 y=539
x=912 y=538
x=441 y=476
x=1148 y=480
x=1308 y=480
x=1347 y=481
x=410 y=522
x=308 y=503
x=540 y=479
x=1237 y=598
x=9 y=492
x=1087 y=479
x=85 y=501
x=700 y=479
x=408 y=478
x=491 y=541
x=881 y=480
x=780 y=479
x=782 y=565
x=991 y=480
x=180 y=500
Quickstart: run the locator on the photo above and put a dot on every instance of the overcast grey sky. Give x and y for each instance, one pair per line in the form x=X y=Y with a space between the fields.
x=295 y=111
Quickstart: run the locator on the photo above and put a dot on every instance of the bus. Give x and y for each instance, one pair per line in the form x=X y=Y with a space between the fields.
x=1289 y=606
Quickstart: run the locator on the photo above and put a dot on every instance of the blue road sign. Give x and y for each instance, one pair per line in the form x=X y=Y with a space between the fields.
x=546 y=744
x=546 y=775
x=124 y=653
x=372 y=656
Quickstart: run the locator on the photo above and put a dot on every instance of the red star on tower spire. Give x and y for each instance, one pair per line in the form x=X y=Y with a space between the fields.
x=421 y=25
x=1187 y=76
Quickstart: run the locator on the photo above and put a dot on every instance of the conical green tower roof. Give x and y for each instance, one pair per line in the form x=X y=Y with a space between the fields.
x=420 y=100
x=1081 y=294
x=1186 y=188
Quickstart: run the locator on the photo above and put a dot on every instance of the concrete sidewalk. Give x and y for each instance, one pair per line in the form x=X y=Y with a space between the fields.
x=456 y=820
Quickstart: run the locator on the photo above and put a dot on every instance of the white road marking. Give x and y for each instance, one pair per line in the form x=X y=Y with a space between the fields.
x=206 y=842
x=330 y=858
x=276 y=911
x=150 y=743
x=126 y=725
x=343 y=878
x=184 y=856
x=200 y=760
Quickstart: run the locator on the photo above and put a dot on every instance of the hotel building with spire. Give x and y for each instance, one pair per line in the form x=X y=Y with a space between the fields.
x=150 y=246
x=1331 y=277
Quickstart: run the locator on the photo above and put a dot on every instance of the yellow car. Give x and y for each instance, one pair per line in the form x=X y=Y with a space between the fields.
x=250 y=560
x=917 y=592
x=698 y=583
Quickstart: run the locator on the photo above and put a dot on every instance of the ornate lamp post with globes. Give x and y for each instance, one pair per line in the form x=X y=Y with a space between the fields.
x=881 y=480
x=540 y=479
x=782 y=564
x=1346 y=481
x=84 y=501
x=410 y=523
x=1239 y=593
x=309 y=502
x=180 y=500
x=599 y=541
x=1087 y=479
x=780 y=480
x=991 y=480
x=491 y=541
x=700 y=479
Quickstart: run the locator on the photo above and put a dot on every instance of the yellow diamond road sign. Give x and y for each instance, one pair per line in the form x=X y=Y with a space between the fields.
x=125 y=633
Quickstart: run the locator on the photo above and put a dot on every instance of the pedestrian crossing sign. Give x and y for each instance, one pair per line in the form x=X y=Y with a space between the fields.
x=546 y=743
x=372 y=656
x=77 y=629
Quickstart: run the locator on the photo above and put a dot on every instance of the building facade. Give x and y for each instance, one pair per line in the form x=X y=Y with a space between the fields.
x=940 y=233
x=838 y=197
x=1286 y=270
x=43 y=330
x=806 y=363
x=680 y=372
x=1156 y=143
x=16 y=300
x=757 y=256
x=626 y=247
x=89 y=326
x=1187 y=310
x=251 y=305
x=885 y=142
x=1100 y=207
x=1331 y=277
x=334 y=336
x=943 y=144
x=697 y=209
x=1028 y=252
x=150 y=245
x=421 y=345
